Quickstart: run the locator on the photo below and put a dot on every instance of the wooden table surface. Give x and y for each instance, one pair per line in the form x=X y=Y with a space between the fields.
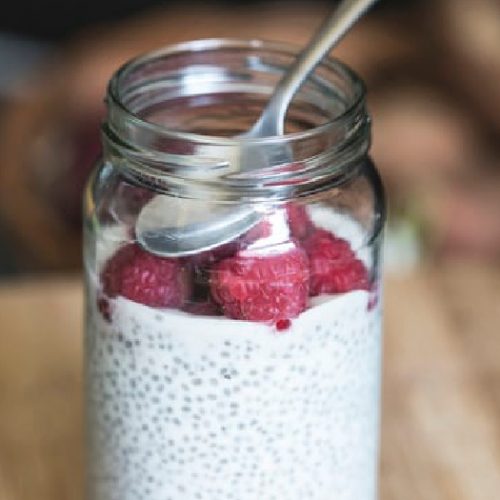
x=441 y=416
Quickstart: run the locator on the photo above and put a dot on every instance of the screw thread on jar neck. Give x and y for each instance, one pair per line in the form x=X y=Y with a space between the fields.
x=173 y=115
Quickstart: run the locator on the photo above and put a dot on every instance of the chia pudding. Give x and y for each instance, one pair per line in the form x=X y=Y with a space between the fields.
x=221 y=401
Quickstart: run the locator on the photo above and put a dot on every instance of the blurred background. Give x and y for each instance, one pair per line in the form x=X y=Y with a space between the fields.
x=432 y=69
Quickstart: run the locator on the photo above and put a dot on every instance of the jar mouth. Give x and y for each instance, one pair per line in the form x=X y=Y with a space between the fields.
x=124 y=80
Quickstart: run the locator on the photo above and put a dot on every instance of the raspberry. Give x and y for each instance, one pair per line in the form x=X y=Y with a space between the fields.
x=145 y=278
x=283 y=324
x=261 y=287
x=263 y=229
x=298 y=220
x=333 y=265
x=129 y=199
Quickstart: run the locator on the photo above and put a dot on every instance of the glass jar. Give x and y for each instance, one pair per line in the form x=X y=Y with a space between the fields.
x=250 y=370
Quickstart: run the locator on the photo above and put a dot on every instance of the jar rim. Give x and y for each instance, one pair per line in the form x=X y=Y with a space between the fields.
x=199 y=45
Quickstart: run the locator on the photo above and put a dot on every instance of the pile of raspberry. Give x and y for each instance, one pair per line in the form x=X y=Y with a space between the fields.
x=241 y=280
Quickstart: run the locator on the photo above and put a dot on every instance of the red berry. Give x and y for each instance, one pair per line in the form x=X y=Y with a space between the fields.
x=298 y=220
x=129 y=199
x=145 y=278
x=283 y=324
x=263 y=229
x=334 y=266
x=260 y=287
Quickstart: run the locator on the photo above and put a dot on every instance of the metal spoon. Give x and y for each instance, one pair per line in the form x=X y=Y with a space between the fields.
x=191 y=229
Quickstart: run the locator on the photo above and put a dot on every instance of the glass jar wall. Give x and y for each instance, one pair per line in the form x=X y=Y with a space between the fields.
x=243 y=363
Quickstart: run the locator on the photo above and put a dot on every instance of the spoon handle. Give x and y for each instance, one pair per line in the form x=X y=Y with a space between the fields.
x=332 y=30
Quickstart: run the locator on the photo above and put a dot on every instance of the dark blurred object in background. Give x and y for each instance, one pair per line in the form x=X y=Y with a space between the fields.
x=58 y=20
x=432 y=69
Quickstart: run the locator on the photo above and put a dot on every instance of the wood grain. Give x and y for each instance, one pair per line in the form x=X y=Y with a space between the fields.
x=40 y=391
x=441 y=428
x=441 y=415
